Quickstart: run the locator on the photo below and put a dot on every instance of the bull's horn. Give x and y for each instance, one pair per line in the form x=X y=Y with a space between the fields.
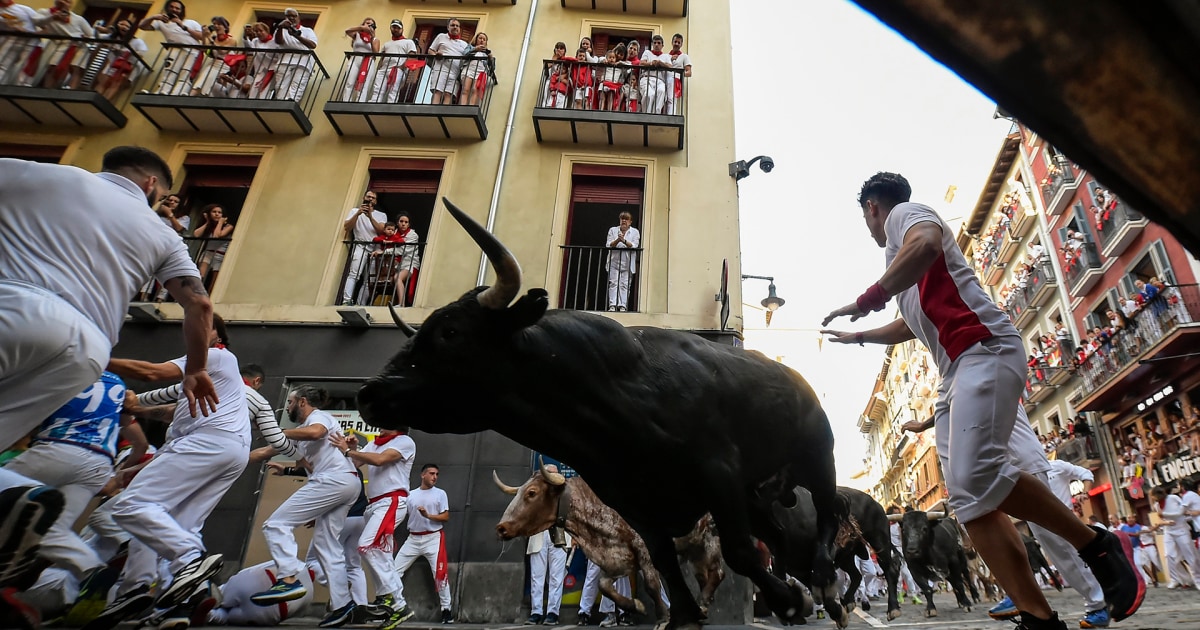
x=895 y=518
x=404 y=328
x=553 y=478
x=508 y=271
x=506 y=489
x=933 y=516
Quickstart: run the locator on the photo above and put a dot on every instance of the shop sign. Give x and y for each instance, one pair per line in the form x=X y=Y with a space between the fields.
x=1171 y=469
x=1076 y=487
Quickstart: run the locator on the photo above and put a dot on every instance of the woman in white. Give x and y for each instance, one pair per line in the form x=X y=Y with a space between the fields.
x=363 y=45
x=1180 y=550
x=175 y=28
x=409 y=260
x=478 y=72
x=213 y=64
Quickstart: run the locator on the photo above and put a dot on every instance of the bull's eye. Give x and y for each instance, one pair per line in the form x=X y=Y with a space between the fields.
x=449 y=333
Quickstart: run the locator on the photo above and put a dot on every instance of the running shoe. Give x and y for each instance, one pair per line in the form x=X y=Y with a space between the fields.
x=15 y=613
x=1029 y=622
x=280 y=592
x=124 y=607
x=93 y=596
x=536 y=620
x=338 y=618
x=399 y=616
x=26 y=514
x=188 y=578
x=1095 y=619
x=609 y=620
x=447 y=616
x=1006 y=609
x=1110 y=557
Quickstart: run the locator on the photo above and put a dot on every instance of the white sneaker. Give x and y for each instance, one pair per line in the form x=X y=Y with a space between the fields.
x=609 y=621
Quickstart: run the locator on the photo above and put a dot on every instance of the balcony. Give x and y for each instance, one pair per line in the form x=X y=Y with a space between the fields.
x=1057 y=187
x=391 y=96
x=599 y=278
x=664 y=8
x=1019 y=310
x=1008 y=246
x=1041 y=283
x=1117 y=228
x=1082 y=271
x=1163 y=326
x=634 y=119
x=380 y=274
x=212 y=89
x=1038 y=387
x=59 y=81
x=1081 y=451
x=1022 y=220
x=207 y=253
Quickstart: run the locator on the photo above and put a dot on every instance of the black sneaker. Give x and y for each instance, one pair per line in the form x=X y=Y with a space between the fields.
x=1029 y=622
x=1110 y=557
x=447 y=617
x=583 y=619
x=188 y=578
x=26 y=514
x=93 y=595
x=124 y=607
x=338 y=618
x=550 y=620
x=534 y=620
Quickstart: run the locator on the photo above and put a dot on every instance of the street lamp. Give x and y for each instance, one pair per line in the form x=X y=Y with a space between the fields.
x=772 y=302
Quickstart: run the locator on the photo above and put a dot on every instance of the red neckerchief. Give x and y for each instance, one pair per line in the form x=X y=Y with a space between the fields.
x=224 y=37
x=455 y=36
x=676 y=53
x=266 y=39
x=246 y=382
x=381 y=440
x=366 y=36
x=61 y=16
x=401 y=235
x=219 y=346
x=396 y=39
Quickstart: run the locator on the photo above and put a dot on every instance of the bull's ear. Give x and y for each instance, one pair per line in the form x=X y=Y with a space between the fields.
x=528 y=309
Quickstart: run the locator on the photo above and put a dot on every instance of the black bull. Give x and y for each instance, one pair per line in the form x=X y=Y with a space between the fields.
x=664 y=425
x=933 y=548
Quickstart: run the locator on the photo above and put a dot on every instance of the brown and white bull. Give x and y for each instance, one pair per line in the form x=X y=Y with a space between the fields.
x=548 y=498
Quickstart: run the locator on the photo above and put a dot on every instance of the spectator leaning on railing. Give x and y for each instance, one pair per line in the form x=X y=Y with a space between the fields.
x=63 y=59
x=125 y=66
x=362 y=225
x=175 y=28
x=679 y=61
x=478 y=72
x=444 y=81
x=212 y=62
x=653 y=83
x=363 y=44
x=392 y=73
x=294 y=67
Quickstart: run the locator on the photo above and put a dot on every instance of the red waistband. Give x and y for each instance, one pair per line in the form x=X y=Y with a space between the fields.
x=424 y=533
x=397 y=493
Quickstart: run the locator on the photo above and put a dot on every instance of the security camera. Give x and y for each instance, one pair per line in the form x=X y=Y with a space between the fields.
x=766 y=164
x=741 y=169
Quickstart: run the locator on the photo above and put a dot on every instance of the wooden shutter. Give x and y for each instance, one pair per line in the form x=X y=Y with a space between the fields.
x=425 y=34
x=219 y=159
x=1082 y=224
x=607 y=193
x=600 y=44
x=468 y=30
x=405 y=175
x=1158 y=254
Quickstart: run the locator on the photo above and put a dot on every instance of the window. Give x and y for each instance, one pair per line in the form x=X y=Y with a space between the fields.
x=603 y=39
x=112 y=12
x=212 y=181
x=1051 y=422
x=45 y=153
x=1152 y=264
x=599 y=195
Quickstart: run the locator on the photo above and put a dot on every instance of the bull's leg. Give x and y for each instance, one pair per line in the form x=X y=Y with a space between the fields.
x=624 y=603
x=925 y=581
x=709 y=574
x=818 y=474
x=684 y=611
x=957 y=579
x=845 y=562
x=889 y=561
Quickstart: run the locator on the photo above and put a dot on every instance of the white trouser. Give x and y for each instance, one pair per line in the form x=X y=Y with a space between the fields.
x=356 y=65
x=210 y=69
x=416 y=546
x=79 y=474
x=654 y=94
x=1147 y=555
x=50 y=353
x=386 y=88
x=14 y=53
x=290 y=81
x=325 y=499
x=359 y=257
x=1066 y=559
x=236 y=608
x=907 y=580
x=387 y=579
x=548 y=563
x=176 y=77
x=356 y=578
x=619 y=276
x=1180 y=549
x=102 y=533
x=54 y=591
x=591 y=588
x=671 y=93
x=166 y=504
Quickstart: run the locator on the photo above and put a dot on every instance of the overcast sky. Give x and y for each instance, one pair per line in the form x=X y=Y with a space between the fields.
x=834 y=96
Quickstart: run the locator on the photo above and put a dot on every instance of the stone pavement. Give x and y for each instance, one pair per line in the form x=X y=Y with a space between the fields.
x=1163 y=609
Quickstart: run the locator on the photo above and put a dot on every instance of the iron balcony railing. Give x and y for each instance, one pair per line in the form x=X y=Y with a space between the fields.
x=207 y=253
x=1078 y=449
x=1111 y=220
x=993 y=250
x=412 y=79
x=241 y=73
x=106 y=66
x=1060 y=174
x=601 y=87
x=380 y=273
x=600 y=278
x=1018 y=302
x=1080 y=262
x=1173 y=307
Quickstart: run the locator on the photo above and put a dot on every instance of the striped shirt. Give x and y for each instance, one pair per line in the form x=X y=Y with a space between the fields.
x=261 y=414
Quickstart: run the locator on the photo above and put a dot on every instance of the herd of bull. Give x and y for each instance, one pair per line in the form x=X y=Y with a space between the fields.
x=748 y=447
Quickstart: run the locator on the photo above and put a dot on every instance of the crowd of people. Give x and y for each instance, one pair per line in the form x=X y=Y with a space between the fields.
x=625 y=79
x=384 y=256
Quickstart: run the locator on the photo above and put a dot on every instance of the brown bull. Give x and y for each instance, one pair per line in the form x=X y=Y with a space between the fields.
x=548 y=498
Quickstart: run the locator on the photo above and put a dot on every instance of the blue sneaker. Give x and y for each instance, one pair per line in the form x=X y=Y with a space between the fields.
x=280 y=592
x=1096 y=619
x=1006 y=609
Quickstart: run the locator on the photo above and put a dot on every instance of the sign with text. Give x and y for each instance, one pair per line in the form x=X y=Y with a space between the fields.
x=565 y=469
x=351 y=422
x=1171 y=470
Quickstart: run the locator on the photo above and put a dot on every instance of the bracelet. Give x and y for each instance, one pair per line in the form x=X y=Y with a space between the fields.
x=858 y=338
x=873 y=299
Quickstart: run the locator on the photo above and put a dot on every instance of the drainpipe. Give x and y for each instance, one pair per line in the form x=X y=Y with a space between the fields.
x=508 y=128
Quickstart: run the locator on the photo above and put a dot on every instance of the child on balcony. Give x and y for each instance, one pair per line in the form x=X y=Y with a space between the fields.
x=558 y=82
x=583 y=79
x=611 y=80
x=630 y=94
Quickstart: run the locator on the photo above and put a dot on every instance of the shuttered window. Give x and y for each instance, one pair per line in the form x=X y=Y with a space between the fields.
x=1158 y=253
x=404 y=175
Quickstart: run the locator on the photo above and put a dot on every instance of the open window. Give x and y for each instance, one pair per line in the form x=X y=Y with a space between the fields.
x=597 y=277
x=45 y=153
x=606 y=38
x=111 y=12
x=213 y=182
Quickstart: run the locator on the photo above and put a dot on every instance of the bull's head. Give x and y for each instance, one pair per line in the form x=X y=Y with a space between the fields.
x=534 y=506
x=916 y=530
x=455 y=349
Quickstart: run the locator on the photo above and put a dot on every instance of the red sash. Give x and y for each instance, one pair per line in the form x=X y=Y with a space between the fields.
x=480 y=81
x=678 y=87
x=65 y=62
x=31 y=66
x=196 y=66
x=266 y=79
x=387 y=529
x=414 y=64
x=441 y=574
x=363 y=70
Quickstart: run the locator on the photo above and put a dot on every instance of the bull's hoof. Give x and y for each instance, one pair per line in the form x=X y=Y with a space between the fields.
x=866 y=606
x=893 y=613
x=930 y=612
x=639 y=606
x=966 y=608
x=836 y=612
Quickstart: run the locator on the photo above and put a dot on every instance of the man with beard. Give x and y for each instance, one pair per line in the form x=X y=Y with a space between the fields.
x=362 y=225
x=175 y=28
x=60 y=319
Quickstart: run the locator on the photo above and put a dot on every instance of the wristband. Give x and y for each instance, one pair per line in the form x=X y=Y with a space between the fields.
x=858 y=338
x=873 y=299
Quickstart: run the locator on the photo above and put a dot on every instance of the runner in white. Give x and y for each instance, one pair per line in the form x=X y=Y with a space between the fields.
x=981 y=359
x=332 y=487
x=429 y=511
x=1180 y=550
x=389 y=459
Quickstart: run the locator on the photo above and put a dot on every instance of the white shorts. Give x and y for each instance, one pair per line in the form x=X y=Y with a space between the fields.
x=50 y=353
x=974 y=419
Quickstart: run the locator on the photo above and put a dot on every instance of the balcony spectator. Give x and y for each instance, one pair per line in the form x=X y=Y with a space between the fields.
x=264 y=64
x=1075 y=240
x=450 y=44
x=1036 y=251
x=64 y=60
x=582 y=79
x=1062 y=337
x=558 y=79
x=679 y=61
x=175 y=28
x=478 y=72
x=631 y=95
x=621 y=265
x=291 y=77
x=393 y=73
x=409 y=263
x=363 y=46
x=612 y=79
x=653 y=83
x=14 y=51
x=233 y=82
x=362 y=225
x=585 y=44
x=127 y=65
x=215 y=230
x=173 y=214
x=212 y=61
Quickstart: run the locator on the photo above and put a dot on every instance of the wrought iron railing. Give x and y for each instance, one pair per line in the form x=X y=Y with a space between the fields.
x=1174 y=306
x=600 y=278
x=1111 y=220
x=1060 y=174
x=993 y=251
x=106 y=66
x=412 y=80
x=207 y=253
x=256 y=74
x=578 y=85
x=380 y=273
x=1081 y=261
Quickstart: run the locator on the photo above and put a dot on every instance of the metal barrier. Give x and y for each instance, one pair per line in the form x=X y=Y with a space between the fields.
x=600 y=278
x=412 y=79
x=1081 y=260
x=1111 y=220
x=233 y=72
x=579 y=85
x=1060 y=174
x=106 y=66
x=380 y=273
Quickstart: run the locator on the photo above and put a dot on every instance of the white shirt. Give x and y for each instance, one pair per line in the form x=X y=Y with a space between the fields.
x=18 y=17
x=173 y=33
x=394 y=476
x=434 y=501
x=624 y=260
x=364 y=230
x=661 y=75
x=1061 y=474
x=894 y=533
x=285 y=40
x=680 y=61
x=76 y=27
x=1172 y=510
x=325 y=458
x=50 y=214
x=1191 y=503
x=399 y=47
x=452 y=48
x=230 y=414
